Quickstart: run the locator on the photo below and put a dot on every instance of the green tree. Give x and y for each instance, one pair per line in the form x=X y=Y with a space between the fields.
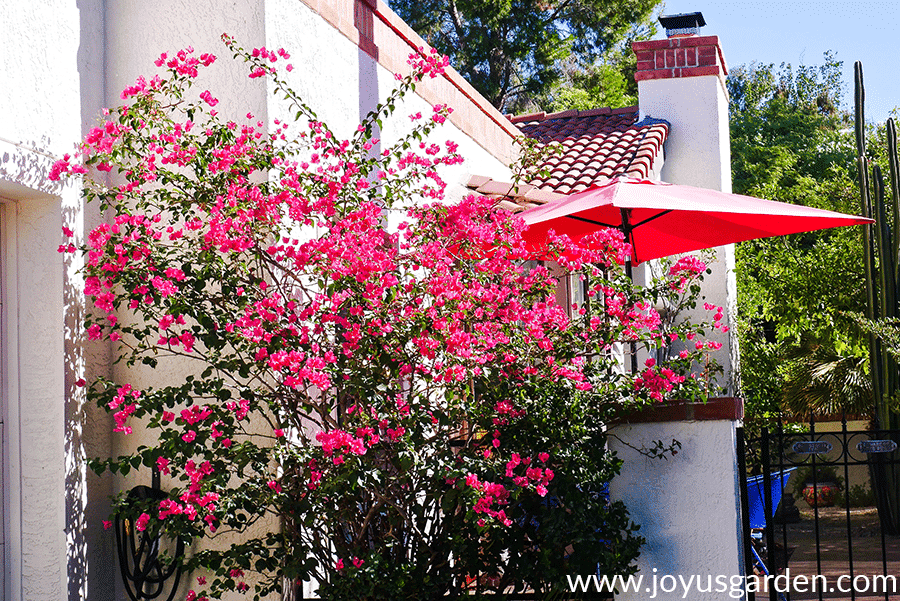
x=791 y=142
x=606 y=81
x=515 y=51
x=595 y=86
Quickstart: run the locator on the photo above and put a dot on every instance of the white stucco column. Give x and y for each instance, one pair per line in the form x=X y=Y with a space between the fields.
x=688 y=505
x=32 y=388
x=682 y=80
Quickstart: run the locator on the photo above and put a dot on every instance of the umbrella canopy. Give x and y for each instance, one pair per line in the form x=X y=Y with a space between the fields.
x=661 y=219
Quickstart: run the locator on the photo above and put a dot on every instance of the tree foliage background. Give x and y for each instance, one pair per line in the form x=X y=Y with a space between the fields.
x=547 y=54
x=791 y=141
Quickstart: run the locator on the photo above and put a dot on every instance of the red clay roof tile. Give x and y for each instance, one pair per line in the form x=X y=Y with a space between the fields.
x=596 y=145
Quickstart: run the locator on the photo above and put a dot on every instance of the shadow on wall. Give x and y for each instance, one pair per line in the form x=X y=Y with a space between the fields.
x=24 y=167
x=90 y=563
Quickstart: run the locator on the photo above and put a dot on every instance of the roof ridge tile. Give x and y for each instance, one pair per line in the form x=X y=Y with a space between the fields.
x=604 y=110
x=562 y=114
x=597 y=144
x=529 y=117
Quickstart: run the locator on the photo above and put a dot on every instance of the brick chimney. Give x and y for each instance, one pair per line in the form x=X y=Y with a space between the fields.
x=682 y=79
x=679 y=56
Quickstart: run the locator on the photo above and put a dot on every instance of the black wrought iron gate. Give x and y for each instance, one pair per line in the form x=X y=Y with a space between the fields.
x=831 y=537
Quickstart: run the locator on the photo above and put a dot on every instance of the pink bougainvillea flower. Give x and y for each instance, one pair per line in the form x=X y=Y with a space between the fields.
x=258 y=253
x=140 y=524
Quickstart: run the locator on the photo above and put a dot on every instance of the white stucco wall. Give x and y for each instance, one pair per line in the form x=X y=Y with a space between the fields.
x=688 y=506
x=34 y=486
x=342 y=84
x=49 y=70
x=698 y=146
x=136 y=33
x=62 y=61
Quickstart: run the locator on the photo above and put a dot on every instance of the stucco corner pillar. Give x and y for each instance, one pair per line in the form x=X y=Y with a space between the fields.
x=688 y=504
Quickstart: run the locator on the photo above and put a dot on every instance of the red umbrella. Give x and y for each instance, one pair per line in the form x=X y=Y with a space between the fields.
x=661 y=219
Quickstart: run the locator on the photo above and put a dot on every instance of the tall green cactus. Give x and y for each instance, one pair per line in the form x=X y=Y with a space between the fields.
x=881 y=258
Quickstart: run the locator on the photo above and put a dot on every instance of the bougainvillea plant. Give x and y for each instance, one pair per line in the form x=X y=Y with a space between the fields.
x=392 y=413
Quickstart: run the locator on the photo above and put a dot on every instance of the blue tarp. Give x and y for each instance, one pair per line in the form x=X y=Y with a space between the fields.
x=755 y=497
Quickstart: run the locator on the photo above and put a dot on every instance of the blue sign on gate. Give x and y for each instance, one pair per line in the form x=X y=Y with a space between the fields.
x=811 y=447
x=876 y=446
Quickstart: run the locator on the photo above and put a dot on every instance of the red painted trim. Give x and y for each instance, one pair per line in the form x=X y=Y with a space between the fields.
x=572 y=113
x=718 y=409
x=368 y=46
x=388 y=51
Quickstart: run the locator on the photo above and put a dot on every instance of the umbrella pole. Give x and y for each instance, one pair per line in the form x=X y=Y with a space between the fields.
x=628 y=230
x=632 y=346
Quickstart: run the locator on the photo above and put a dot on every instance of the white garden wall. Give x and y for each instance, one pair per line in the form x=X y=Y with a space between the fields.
x=62 y=61
x=687 y=505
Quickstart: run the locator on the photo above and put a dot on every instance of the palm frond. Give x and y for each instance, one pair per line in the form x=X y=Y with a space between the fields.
x=820 y=380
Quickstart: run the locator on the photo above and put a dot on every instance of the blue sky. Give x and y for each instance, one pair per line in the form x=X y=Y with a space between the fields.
x=799 y=32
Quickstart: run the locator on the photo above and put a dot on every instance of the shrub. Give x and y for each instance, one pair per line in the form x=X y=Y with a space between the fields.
x=411 y=403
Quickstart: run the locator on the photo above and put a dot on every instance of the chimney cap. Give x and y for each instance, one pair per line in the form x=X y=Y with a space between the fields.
x=682 y=23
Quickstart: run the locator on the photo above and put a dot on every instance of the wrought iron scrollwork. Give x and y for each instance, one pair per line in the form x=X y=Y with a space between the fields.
x=140 y=552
